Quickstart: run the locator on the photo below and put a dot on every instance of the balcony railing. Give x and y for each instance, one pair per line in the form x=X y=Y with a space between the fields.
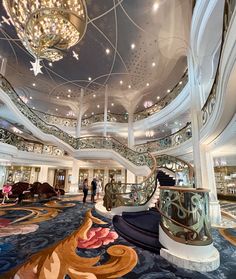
x=185 y=214
x=26 y=145
x=115 y=117
x=209 y=105
x=169 y=141
x=166 y=100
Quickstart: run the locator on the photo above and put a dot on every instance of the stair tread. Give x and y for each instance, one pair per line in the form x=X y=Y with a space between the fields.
x=147 y=221
x=135 y=236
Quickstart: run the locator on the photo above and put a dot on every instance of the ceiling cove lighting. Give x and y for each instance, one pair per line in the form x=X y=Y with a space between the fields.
x=47 y=28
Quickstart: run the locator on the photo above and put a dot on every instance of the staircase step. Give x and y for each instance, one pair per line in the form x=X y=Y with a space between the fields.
x=136 y=237
x=140 y=220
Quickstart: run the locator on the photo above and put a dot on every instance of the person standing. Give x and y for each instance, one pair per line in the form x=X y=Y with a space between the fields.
x=93 y=189
x=6 y=191
x=99 y=188
x=85 y=189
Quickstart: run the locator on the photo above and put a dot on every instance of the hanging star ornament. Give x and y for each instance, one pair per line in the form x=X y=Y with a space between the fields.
x=75 y=55
x=36 y=66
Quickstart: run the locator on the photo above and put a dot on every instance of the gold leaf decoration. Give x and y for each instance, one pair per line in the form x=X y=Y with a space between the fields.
x=61 y=259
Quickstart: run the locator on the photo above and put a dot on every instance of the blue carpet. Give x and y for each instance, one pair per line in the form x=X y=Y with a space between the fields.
x=17 y=249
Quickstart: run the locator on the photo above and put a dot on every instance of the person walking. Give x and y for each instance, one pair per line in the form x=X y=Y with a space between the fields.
x=93 y=189
x=85 y=189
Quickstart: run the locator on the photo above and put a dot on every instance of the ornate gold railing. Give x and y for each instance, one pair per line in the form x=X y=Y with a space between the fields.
x=138 y=159
x=185 y=214
x=131 y=194
x=209 y=105
x=29 y=146
x=128 y=194
x=72 y=122
x=169 y=141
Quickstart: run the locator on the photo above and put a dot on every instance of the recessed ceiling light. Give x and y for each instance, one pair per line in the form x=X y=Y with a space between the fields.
x=33 y=84
x=92 y=113
x=56 y=109
x=180 y=82
x=31 y=98
x=112 y=104
x=155 y=6
x=129 y=86
x=121 y=81
x=168 y=90
x=98 y=106
x=89 y=78
x=132 y=46
x=158 y=97
x=107 y=50
x=50 y=64
x=69 y=90
x=85 y=115
x=33 y=107
x=163 y=131
x=153 y=64
x=176 y=122
x=58 y=97
x=147 y=84
x=109 y=111
x=68 y=95
x=94 y=95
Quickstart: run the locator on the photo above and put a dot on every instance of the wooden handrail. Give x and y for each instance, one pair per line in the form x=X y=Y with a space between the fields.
x=185 y=189
x=174 y=221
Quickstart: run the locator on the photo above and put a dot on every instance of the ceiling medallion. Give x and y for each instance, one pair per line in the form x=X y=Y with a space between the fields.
x=47 y=27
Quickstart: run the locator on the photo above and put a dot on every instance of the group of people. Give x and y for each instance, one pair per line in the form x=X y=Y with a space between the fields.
x=96 y=189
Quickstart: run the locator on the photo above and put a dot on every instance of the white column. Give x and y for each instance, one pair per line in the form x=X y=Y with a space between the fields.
x=51 y=174
x=130 y=177
x=3 y=65
x=74 y=177
x=79 y=118
x=106 y=176
x=130 y=131
x=195 y=113
x=2 y=175
x=32 y=175
x=105 y=111
x=208 y=173
x=43 y=174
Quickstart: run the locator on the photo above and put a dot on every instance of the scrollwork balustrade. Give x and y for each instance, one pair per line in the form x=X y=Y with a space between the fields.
x=26 y=145
x=209 y=105
x=172 y=140
x=185 y=215
x=166 y=100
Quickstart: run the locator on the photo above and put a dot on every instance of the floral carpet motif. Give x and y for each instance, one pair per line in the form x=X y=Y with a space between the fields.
x=72 y=240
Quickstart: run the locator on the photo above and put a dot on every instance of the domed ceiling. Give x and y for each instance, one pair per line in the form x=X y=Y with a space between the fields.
x=137 y=48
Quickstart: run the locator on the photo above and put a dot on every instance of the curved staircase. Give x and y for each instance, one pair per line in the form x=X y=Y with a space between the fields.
x=165 y=179
x=140 y=228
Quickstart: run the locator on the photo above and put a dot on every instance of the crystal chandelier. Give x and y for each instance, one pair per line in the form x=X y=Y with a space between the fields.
x=48 y=27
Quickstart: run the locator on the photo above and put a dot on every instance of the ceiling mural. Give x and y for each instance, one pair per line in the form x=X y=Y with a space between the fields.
x=137 y=48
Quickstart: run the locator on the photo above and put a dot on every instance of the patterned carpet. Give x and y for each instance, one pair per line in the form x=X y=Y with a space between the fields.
x=47 y=235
